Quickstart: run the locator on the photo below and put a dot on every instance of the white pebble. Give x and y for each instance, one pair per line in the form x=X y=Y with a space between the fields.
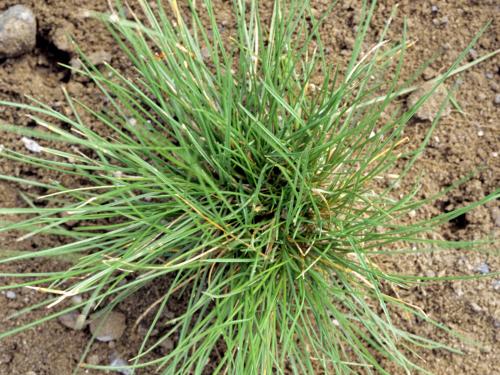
x=76 y=300
x=10 y=294
x=118 y=362
x=494 y=154
x=114 y=18
x=480 y=133
x=31 y=145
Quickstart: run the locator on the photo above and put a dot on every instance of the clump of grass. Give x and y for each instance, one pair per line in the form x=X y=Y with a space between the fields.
x=225 y=168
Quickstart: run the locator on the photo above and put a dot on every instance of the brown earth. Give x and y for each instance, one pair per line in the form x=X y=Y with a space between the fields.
x=462 y=143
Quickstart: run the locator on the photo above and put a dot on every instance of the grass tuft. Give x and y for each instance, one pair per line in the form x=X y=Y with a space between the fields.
x=223 y=164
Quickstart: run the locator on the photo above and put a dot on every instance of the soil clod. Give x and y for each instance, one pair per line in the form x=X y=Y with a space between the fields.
x=429 y=109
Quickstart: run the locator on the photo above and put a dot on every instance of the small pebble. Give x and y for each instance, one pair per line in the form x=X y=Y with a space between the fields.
x=114 y=18
x=481 y=96
x=76 y=300
x=17 y=31
x=485 y=349
x=473 y=53
x=440 y=21
x=120 y=364
x=494 y=154
x=93 y=359
x=434 y=9
x=475 y=307
x=31 y=145
x=10 y=294
x=166 y=345
x=428 y=73
x=107 y=326
x=496 y=285
x=73 y=320
x=483 y=268
x=458 y=290
x=205 y=53
x=497 y=99
x=480 y=133
x=430 y=273
x=489 y=75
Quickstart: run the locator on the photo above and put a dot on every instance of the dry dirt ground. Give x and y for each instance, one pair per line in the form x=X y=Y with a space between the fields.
x=462 y=143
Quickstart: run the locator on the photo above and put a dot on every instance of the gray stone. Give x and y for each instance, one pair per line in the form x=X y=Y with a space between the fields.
x=107 y=326
x=17 y=31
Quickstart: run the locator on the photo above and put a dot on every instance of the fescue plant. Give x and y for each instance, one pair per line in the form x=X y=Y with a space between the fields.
x=220 y=166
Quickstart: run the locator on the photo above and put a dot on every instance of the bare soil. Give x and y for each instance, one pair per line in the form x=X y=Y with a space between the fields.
x=462 y=143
